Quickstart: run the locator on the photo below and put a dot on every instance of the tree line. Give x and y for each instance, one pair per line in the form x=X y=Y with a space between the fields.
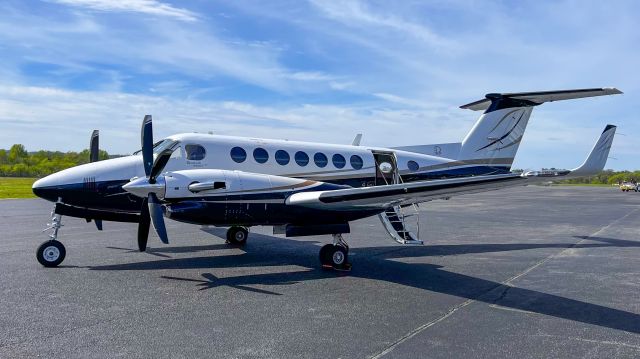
x=17 y=162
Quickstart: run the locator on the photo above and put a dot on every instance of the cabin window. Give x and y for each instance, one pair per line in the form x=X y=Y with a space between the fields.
x=338 y=160
x=282 y=157
x=238 y=154
x=413 y=166
x=195 y=152
x=356 y=162
x=320 y=159
x=260 y=155
x=302 y=159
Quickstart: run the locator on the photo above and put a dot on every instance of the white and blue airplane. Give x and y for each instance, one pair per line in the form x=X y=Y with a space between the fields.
x=299 y=188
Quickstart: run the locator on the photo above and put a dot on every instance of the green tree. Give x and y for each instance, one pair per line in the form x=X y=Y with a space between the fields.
x=17 y=153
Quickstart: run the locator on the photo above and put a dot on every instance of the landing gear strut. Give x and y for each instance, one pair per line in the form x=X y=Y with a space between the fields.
x=51 y=253
x=237 y=235
x=336 y=255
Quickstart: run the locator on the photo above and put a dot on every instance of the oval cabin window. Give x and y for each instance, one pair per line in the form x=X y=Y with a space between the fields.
x=302 y=159
x=260 y=155
x=238 y=154
x=320 y=159
x=338 y=160
x=282 y=157
x=356 y=162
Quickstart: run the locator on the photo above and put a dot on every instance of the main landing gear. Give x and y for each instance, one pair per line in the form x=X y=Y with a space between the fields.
x=51 y=253
x=336 y=255
x=237 y=235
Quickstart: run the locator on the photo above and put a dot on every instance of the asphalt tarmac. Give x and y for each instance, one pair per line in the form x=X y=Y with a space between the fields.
x=527 y=272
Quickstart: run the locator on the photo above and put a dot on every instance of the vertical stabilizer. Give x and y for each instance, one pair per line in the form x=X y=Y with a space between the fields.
x=496 y=136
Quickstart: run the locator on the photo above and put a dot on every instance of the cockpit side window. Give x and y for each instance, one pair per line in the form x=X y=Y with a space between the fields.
x=195 y=152
x=177 y=153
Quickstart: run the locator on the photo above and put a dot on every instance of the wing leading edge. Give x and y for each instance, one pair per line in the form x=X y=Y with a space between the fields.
x=402 y=194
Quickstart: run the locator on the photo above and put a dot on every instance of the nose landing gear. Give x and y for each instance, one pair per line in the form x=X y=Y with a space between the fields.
x=51 y=253
x=335 y=256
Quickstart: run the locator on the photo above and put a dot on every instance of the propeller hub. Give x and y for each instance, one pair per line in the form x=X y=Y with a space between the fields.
x=141 y=187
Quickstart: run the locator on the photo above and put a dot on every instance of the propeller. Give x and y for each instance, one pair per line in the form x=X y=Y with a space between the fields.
x=94 y=156
x=94 y=148
x=151 y=210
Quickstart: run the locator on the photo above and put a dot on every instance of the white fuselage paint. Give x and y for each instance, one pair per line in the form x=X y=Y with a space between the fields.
x=218 y=157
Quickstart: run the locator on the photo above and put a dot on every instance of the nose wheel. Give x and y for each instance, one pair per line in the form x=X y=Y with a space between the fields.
x=335 y=256
x=51 y=253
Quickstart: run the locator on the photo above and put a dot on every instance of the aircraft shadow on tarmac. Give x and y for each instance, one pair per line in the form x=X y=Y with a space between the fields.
x=373 y=263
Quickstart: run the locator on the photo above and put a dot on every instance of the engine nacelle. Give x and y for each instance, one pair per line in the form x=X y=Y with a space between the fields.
x=208 y=182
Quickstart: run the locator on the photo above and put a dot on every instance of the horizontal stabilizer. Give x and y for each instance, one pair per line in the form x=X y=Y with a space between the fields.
x=536 y=98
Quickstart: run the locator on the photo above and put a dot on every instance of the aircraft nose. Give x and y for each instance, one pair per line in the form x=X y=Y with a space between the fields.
x=47 y=187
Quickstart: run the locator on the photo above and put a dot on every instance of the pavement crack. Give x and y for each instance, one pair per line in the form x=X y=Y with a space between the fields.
x=506 y=285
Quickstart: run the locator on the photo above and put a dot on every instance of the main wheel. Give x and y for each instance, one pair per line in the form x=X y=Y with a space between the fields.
x=51 y=253
x=333 y=256
x=237 y=235
x=325 y=255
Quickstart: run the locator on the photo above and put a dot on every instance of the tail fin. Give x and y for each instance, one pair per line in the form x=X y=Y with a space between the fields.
x=496 y=136
x=597 y=158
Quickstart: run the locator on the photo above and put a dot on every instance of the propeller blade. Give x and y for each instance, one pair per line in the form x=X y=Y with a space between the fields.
x=143 y=226
x=159 y=164
x=157 y=217
x=94 y=148
x=146 y=139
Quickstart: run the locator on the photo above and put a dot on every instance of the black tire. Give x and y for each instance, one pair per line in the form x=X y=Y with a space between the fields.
x=237 y=236
x=339 y=257
x=51 y=253
x=325 y=255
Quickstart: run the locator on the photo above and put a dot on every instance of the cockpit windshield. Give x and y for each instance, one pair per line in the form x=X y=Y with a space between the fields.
x=161 y=146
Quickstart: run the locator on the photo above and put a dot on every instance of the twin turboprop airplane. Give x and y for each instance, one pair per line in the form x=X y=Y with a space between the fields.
x=299 y=188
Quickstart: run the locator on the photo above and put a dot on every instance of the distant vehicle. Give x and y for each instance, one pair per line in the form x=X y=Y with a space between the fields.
x=628 y=186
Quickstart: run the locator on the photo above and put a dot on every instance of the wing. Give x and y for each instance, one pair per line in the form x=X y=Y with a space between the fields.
x=542 y=97
x=381 y=197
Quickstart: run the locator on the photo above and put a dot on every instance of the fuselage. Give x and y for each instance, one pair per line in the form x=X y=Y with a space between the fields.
x=98 y=185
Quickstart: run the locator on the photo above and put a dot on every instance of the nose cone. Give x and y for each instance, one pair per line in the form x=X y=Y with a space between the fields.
x=48 y=187
x=96 y=184
x=141 y=187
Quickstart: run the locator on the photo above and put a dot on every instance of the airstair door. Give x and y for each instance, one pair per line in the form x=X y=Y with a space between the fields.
x=386 y=168
x=394 y=219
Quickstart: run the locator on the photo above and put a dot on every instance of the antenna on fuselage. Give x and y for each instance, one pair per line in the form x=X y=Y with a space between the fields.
x=356 y=140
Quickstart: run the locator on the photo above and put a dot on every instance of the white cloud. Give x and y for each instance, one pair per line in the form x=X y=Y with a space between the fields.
x=151 y=7
x=356 y=13
x=54 y=119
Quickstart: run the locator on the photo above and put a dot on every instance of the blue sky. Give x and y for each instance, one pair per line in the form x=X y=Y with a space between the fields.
x=315 y=70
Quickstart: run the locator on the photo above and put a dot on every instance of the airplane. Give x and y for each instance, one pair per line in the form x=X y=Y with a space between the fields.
x=299 y=188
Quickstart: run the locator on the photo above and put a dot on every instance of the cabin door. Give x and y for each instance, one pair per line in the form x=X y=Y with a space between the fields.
x=386 y=168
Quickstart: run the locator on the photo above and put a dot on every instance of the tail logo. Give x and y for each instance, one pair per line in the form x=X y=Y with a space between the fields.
x=515 y=115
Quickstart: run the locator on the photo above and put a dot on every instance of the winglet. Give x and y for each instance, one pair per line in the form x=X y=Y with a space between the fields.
x=597 y=158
